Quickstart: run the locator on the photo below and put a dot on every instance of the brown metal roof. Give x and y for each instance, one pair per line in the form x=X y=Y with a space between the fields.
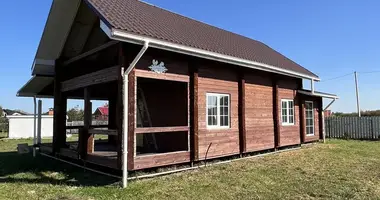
x=143 y=19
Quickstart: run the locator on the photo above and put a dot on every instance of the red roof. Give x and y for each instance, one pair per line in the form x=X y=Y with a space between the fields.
x=103 y=110
x=139 y=18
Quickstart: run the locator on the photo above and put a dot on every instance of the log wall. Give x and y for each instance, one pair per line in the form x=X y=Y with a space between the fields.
x=259 y=112
x=289 y=135
x=218 y=79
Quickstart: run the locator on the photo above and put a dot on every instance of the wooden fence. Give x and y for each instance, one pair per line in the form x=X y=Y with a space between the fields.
x=361 y=128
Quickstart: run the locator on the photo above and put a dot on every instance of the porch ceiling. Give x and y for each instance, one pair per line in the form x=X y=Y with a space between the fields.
x=55 y=34
x=35 y=86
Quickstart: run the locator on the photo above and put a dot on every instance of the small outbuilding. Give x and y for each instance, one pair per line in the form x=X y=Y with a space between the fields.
x=179 y=91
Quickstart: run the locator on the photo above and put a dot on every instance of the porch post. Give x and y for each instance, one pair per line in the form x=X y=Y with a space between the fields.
x=194 y=145
x=112 y=118
x=39 y=120
x=60 y=106
x=242 y=130
x=302 y=119
x=34 y=127
x=321 y=120
x=88 y=140
x=276 y=113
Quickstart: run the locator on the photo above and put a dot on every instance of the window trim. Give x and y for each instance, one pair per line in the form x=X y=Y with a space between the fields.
x=313 y=117
x=218 y=126
x=287 y=113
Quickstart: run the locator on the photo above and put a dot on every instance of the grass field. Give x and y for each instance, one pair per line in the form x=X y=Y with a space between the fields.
x=3 y=134
x=338 y=169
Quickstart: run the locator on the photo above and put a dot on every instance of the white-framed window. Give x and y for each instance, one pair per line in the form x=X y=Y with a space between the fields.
x=287 y=112
x=218 y=110
x=309 y=110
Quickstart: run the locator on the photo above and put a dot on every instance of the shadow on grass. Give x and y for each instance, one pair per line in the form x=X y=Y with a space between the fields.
x=15 y=168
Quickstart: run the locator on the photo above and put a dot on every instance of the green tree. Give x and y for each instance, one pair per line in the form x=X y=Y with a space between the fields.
x=75 y=114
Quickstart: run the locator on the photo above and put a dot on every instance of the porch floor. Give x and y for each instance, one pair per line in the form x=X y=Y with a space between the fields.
x=104 y=154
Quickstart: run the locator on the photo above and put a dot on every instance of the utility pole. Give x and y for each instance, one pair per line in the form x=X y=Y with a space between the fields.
x=357 y=94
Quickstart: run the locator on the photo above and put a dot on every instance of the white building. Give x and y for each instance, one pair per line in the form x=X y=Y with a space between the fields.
x=22 y=126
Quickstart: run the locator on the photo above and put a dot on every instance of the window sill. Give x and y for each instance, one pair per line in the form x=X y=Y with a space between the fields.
x=218 y=127
x=287 y=124
x=309 y=135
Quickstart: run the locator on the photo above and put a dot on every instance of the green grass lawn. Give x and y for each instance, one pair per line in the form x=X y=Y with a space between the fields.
x=336 y=170
x=3 y=134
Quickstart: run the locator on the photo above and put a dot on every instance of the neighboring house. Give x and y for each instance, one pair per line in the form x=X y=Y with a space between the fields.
x=9 y=112
x=101 y=113
x=327 y=113
x=194 y=91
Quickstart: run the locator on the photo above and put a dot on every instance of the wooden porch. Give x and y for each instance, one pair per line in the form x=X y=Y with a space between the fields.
x=159 y=120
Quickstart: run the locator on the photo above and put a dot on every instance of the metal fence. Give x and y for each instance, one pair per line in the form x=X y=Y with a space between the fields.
x=363 y=128
x=81 y=123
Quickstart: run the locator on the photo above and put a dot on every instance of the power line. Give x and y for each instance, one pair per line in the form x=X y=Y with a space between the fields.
x=338 y=77
x=369 y=72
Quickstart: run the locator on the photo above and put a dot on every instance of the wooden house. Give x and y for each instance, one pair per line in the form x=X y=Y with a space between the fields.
x=179 y=91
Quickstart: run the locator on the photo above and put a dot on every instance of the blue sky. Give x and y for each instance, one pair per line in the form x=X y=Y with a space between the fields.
x=330 y=38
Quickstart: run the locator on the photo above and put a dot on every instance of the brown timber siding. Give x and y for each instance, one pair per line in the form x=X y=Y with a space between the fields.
x=223 y=141
x=289 y=135
x=259 y=112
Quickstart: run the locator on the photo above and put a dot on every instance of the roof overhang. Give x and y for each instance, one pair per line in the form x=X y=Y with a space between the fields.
x=318 y=94
x=123 y=36
x=34 y=86
x=57 y=28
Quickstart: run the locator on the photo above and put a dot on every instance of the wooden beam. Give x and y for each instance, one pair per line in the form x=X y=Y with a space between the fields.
x=131 y=118
x=320 y=108
x=60 y=106
x=241 y=111
x=86 y=139
x=194 y=138
x=302 y=119
x=276 y=113
x=162 y=76
x=120 y=107
x=161 y=129
x=112 y=120
x=98 y=77
x=103 y=132
x=90 y=52
x=162 y=159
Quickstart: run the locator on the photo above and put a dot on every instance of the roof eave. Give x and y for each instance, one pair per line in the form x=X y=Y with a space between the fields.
x=318 y=94
x=117 y=34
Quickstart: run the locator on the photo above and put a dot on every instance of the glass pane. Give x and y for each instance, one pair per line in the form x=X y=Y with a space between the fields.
x=214 y=111
x=209 y=120
x=212 y=100
x=290 y=111
x=224 y=101
x=290 y=104
x=223 y=110
x=226 y=121
x=291 y=119
x=284 y=105
x=284 y=119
